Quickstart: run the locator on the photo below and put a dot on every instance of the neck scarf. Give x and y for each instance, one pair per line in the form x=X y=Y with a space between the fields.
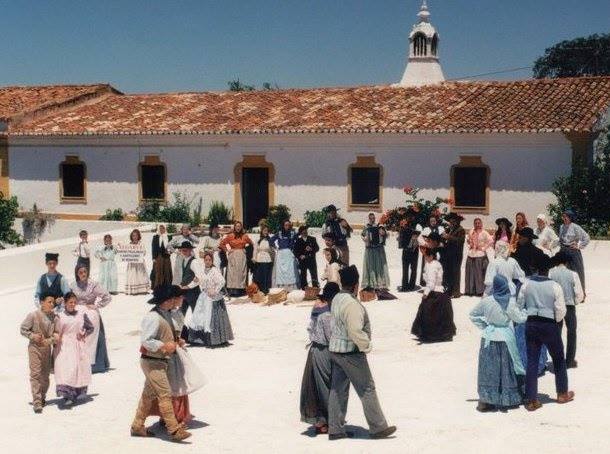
x=501 y=291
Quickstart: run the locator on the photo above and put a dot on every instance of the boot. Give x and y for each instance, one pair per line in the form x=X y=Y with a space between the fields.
x=533 y=405
x=167 y=413
x=180 y=434
x=564 y=398
x=141 y=431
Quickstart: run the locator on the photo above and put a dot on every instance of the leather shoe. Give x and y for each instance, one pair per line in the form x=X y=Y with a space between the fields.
x=385 y=433
x=533 y=405
x=564 y=398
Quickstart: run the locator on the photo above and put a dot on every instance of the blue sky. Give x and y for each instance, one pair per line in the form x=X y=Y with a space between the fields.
x=170 y=45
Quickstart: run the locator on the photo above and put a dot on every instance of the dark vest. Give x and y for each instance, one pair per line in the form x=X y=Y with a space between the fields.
x=187 y=273
x=53 y=289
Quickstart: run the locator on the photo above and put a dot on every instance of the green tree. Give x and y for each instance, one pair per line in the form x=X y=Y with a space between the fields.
x=9 y=208
x=578 y=57
x=238 y=85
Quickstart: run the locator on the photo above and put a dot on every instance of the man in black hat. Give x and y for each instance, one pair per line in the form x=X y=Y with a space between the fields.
x=174 y=246
x=52 y=282
x=408 y=242
x=188 y=281
x=158 y=344
x=305 y=250
x=349 y=343
x=453 y=254
x=528 y=256
x=340 y=229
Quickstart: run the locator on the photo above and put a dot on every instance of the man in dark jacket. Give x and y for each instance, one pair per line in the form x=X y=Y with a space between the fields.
x=305 y=249
x=528 y=256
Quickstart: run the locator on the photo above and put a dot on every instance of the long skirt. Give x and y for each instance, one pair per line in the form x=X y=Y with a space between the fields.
x=375 y=273
x=522 y=346
x=315 y=386
x=137 y=281
x=286 y=270
x=434 y=319
x=72 y=367
x=108 y=277
x=96 y=343
x=497 y=382
x=576 y=263
x=220 y=332
x=475 y=275
x=161 y=273
x=182 y=409
x=263 y=273
x=237 y=270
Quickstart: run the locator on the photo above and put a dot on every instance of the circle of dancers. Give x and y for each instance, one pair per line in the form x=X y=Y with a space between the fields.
x=529 y=281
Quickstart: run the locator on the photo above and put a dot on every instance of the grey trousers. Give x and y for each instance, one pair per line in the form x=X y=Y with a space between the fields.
x=354 y=368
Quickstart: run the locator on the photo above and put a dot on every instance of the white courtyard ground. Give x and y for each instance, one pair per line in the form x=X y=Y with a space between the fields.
x=251 y=403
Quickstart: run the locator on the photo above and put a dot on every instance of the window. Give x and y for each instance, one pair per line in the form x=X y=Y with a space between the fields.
x=419 y=45
x=434 y=45
x=470 y=185
x=73 y=177
x=152 y=179
x=365 y=179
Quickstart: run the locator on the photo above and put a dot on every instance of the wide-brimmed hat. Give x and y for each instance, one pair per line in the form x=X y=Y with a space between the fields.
x=570 y=213
x=457 y=217
x=434 y=236
x=329 y=235
x=330 y=208
x=527 y=232
x=161 y=294
x=186 y=245
x=329 y=291
x=505 y=221
x=51 y=256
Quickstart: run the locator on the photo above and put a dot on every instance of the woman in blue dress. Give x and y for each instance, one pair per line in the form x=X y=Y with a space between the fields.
x=108 y=277
x=285 y=271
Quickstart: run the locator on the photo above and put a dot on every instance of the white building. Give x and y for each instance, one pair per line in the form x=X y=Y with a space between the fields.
x=493 y=147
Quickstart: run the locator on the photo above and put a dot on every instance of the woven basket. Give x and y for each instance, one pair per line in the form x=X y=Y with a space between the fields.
x=259 y=298
x=367 y=295
x=311 y=293
x=277 y=296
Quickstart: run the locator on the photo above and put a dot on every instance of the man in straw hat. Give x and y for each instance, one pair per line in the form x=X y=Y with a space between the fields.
x=158 y=344
x=349 y=343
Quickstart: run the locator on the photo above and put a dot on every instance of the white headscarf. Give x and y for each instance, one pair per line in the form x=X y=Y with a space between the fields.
x=163 y=238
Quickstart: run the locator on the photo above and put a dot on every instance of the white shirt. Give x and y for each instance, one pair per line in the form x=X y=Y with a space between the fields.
x=547 y=239
x=433 y=277
x=560 y=305
x=150 y=327
x=82 y=250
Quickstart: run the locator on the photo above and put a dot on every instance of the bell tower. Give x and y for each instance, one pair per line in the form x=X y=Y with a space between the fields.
x=423 y=67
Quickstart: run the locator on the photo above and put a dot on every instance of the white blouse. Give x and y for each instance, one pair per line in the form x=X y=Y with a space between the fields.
x=263 y=253
x=210 y=280
x=433 y=276
x=331 y=273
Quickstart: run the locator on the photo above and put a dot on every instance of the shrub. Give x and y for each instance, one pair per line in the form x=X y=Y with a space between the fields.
x=219 y=213
x=113 y=215
x=178 y=211
x=149 y=212
x=276 y=216
x=9 y=208
x=315 y=218
x=34 y=223
x=171 y=229
x=423 y=208
x=197 y=218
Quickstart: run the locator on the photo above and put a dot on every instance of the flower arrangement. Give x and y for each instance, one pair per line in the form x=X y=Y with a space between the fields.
x=396 y=218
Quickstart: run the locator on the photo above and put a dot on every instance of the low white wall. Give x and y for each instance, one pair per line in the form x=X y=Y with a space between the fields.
x=63 y=228
x=311 y=170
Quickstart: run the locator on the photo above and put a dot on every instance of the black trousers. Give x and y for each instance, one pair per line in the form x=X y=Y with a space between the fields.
x=190 y=299
x=452 y=272
x=309 y=264
x=410 y=258
x=570 y=320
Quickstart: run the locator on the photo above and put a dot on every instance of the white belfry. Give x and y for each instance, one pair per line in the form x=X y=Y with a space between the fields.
x=423 y=67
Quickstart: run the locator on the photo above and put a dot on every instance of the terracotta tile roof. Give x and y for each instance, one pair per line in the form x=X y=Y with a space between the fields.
x=19 y=101
x=566 y=105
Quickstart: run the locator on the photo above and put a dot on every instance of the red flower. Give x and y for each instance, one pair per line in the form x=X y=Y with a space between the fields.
x=408 y=189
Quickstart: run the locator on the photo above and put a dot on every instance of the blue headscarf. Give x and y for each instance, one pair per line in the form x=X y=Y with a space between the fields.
x=501 y=291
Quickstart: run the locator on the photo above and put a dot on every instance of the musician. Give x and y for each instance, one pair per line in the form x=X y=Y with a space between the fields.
x=408 y=241
x=375 y=273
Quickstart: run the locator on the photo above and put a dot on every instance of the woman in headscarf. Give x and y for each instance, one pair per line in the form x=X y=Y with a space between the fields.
x=547 y=238
x=506 y=266
x=93 y=296
x=572 y=239
x=520 y=224
x=161 y=273
x=434 y=319
x=234 y=245
x=476 y=263
x=501 y=371
x=286 y=269
x=315 y=386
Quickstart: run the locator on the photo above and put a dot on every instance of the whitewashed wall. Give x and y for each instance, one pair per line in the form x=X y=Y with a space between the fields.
x=311 y=171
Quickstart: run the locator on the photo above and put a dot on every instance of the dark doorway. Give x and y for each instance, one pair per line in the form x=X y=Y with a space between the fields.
x=254 y=195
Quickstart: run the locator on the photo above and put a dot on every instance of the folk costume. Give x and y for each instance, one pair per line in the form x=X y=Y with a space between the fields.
x=479 y=241
x=505 y=266
x=340 y=230
x=157 y=331
x=573 y=294
x=188 y=278
x=501 y=372
x=72 y=365
x=212 y=244
x=90 y=293
x=528 y=256
x=234 y=245
x=108 y=275
x=174 y=245
x=375 y=274
x=53 y=284
x=82 y=252
x=137 y=280
x=543 y=300
x=547 y=240
x=285 y=269
x=315 y=386
x=210 y=325
x=161 y=273
x=437 y=230
x=263 y=259
x=434 y=319
x=305 y=250
x=453 y=254
x=573 y=239
x=331 y=273
x=39 y=353
x=408 y=241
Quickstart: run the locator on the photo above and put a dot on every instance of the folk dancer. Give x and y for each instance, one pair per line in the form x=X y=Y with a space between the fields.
x=408 y=241
x=340 y=229
x=451 y=259
x=305 y=249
